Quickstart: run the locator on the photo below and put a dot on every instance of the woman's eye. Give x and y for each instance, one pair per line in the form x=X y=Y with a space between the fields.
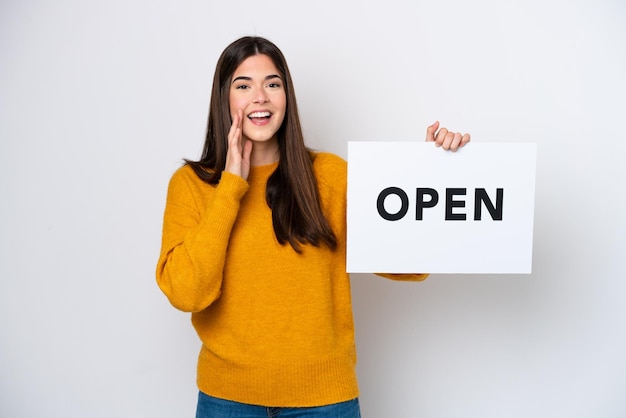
x=274 y=85
x=241 y=87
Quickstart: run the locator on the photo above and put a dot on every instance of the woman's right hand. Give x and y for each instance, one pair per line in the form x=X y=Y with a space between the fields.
x=239 y=150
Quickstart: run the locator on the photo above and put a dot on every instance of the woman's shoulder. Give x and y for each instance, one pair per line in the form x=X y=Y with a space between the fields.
x=187 y=172
x=183 y=174
x=324 y=162
x=330 y=170
x=186 y=178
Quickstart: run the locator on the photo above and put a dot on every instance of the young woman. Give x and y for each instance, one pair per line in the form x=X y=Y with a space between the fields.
x=254 y=242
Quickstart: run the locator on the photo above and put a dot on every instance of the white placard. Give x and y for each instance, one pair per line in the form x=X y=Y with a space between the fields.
x=394 y=225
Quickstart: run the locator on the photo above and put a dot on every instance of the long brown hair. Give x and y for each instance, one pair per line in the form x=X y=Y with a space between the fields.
x=291 y=190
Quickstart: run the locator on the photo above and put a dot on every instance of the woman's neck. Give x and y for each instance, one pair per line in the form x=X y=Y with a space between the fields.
x=264 y=153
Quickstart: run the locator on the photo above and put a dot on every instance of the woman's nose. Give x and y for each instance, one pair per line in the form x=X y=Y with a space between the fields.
x=260 y=97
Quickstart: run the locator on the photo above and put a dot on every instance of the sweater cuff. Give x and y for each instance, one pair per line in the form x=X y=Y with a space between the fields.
x=417 y=277
x=233 y=185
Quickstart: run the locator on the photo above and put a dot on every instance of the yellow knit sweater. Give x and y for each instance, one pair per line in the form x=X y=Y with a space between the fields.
x=276 y=326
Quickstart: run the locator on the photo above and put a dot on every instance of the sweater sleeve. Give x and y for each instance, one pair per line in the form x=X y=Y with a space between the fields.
x=195 y=239
x=404 y=277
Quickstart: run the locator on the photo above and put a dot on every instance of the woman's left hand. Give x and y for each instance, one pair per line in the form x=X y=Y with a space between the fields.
x=446 y=139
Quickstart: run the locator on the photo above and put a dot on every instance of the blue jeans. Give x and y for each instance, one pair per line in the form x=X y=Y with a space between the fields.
x=210 y=407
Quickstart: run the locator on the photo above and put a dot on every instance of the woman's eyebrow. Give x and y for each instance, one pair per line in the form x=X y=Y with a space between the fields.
x=241 y=77
x=247 y=78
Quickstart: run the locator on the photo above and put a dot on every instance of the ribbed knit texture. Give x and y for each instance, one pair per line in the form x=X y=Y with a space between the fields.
x=276 y=326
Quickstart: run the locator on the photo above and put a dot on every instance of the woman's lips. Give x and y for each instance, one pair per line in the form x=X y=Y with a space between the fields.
x=260 y=118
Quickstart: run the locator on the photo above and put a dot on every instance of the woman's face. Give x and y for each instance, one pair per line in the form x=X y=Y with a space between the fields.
x=257 y=89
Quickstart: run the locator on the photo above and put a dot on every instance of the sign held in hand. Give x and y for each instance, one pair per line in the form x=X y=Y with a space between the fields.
x=414 y=208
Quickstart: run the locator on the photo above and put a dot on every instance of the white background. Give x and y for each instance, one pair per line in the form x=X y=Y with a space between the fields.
x=100 y=101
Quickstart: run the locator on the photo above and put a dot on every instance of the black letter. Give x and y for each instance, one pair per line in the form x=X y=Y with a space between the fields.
x=380 y=203
x=420 y=205
x=450 y=203
x=495 y=212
